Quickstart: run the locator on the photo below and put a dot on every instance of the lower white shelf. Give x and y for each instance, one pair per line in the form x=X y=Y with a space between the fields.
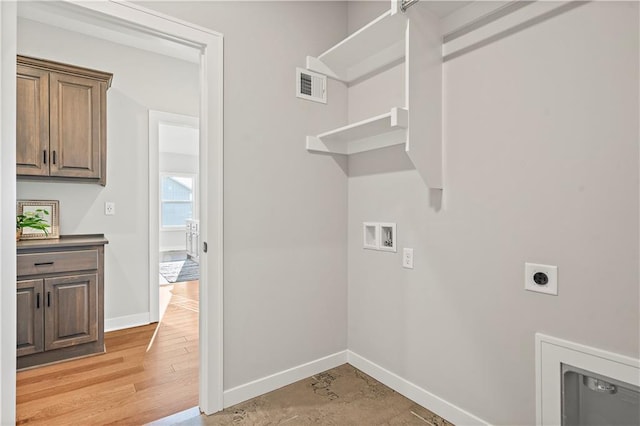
x=373 y=133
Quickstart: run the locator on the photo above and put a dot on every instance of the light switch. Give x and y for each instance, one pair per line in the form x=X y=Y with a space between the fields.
x=407 y=258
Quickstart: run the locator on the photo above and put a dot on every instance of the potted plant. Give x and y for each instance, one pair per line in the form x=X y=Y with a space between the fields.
x=34 y=220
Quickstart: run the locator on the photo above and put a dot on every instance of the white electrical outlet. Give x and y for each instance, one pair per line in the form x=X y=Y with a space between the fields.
x=109 y=208
x=407 y=258
x=541 y=278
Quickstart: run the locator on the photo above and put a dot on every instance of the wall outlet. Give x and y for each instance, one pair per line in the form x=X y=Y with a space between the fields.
x=407 y=258
x=541 y=278
x=109 y=208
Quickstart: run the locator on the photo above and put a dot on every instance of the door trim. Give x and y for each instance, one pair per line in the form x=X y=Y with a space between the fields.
x=210 y=44
x=8 y=320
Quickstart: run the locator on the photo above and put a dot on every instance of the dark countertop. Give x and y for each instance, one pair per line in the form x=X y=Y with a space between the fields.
x=63 y=241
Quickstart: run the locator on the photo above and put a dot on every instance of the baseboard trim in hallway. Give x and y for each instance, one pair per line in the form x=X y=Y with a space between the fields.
x=276 y=381
x=128 y=321
x=441 y=407
x=173 y=419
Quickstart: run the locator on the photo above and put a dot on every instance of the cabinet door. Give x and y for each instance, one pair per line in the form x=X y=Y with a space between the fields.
x=32 y=121
x=30 y=317
x=71 y=314
x=75 y=121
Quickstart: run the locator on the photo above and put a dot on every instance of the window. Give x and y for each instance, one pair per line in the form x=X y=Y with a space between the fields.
x=177 y=199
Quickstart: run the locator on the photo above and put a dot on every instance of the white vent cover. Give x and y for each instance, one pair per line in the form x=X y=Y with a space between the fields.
x=311 y=86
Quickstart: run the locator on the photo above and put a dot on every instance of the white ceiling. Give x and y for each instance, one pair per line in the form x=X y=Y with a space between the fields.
x=70 y=17
x=73 y=18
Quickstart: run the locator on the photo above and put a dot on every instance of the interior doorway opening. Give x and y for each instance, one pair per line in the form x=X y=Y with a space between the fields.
x=176 y=139
x=128 y=21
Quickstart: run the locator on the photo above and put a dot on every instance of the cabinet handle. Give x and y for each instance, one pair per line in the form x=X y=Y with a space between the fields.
x=43 y=264
x=38 y=301
x=48 y=299
x=54 y=157
x=44 y=157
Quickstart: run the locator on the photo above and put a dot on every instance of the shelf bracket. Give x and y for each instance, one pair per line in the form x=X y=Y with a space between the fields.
x=406 y=4
x=315 y=64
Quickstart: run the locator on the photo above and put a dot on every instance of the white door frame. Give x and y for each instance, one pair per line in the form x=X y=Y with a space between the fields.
x=211 y=143
x=8 y=25
x=155 y=118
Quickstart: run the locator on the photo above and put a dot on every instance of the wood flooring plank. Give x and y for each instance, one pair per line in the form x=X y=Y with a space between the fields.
x=77 y=400
x=79 y=381
x=164 y=379
x=192 y=346
x=133 y=330
x=58 y=374
x=181 y=324
x=152 y=401
x=133 y=383
x=124 y=359
x=52 y=413
x=168 y=334
x=164 y=361
x=183 y=364
x=78 y=385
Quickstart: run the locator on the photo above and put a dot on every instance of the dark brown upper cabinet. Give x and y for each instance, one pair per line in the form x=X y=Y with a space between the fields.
x=61 y=130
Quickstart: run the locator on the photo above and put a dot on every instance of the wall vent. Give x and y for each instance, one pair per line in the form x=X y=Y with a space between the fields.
x=311 y=86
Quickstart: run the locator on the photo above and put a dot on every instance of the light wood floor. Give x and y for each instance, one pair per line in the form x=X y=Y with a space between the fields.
x=141 y=378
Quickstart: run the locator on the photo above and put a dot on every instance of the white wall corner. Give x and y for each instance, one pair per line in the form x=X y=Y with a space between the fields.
x=275 y=381
x=434 y=403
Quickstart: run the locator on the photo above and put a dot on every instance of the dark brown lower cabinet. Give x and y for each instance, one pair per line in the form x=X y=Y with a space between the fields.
x=57 y=312
x=71 y=312
x=60 y=308
x=30 y=335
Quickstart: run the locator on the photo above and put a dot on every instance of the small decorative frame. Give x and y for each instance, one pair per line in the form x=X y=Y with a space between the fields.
x=52 y=206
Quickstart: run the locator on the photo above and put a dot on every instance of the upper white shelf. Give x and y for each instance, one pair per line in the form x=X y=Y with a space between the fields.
x=379 y=43
x=373 y=133
x=416 y=37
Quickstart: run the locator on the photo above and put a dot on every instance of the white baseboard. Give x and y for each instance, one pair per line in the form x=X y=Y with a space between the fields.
x=128 y=321
x=275 y=381
x=444 y=409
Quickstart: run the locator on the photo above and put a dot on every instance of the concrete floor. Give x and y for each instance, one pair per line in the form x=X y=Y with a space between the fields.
x=340 y=396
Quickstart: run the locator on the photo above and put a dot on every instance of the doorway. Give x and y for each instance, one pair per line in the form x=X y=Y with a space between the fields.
x=136 y=23
x=174 y=199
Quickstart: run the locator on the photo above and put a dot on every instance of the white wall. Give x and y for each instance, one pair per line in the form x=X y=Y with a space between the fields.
x=549 y=113
x=141 y=81
x=285 y=209
x=541 y=165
